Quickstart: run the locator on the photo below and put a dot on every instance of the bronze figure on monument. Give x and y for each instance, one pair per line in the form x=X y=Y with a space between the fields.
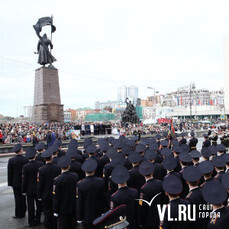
x=47 y=104
x=130 y=114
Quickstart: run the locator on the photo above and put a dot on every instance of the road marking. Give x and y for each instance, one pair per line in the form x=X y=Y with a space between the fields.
x=4 y=184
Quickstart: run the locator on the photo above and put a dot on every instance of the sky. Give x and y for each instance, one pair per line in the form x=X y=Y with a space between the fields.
x=103 y=44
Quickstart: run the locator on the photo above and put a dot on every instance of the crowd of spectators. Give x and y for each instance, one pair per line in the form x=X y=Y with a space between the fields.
x=33 y=133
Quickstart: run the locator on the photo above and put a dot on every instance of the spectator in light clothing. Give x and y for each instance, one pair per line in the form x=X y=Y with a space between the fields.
x=92 y=129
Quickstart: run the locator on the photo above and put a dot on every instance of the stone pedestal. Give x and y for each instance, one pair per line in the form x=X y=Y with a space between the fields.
x=47 y=105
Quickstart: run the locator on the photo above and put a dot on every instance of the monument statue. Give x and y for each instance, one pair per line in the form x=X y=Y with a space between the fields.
x=47 y=105
x=45 y=56
x=129 y=114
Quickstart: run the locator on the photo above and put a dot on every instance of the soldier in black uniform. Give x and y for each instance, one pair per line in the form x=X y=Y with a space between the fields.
x=159 y=171
x=214 y=138
x=219 y=164
x=148 y=213
x=192 y=175
x=226 y=158
x=15 y=165
x=29 y=187
x=64 y=195
x=75 y=166
x=206 y=168
x=124 y=195
x=206 y=153
x=185 y=160
x=173 y=187
x=40 y=148
x=183 y=139
x=195 y=155
x=214 y=193
x=224 y=139
x=54 y=148
x=136 y=179
x=46 y=175
x=192 y=142
x=92 y=152
x=206 y=142
x=170 y=164
x=104 y=159
x=91 y=195
x=176 y=152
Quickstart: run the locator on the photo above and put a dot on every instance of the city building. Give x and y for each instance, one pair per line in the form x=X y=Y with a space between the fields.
x=130 y=92
x=28 y=111
x=74 y=116
x=122 y=94
x=67 y=116
x=148 y=112
x=82 y=112
x=109 y=104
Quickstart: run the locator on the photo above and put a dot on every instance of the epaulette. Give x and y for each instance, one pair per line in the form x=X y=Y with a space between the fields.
x=57 y=177
x=115 y=193
x=214 y=218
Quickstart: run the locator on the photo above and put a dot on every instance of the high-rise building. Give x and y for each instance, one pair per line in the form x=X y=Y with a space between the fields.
x=226 y=74
x=122 y=93
x=130 y=92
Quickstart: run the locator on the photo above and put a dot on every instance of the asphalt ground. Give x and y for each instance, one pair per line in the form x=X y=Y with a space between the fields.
x=7 y=199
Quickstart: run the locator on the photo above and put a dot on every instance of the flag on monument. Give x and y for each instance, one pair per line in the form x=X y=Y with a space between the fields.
x=43 y=22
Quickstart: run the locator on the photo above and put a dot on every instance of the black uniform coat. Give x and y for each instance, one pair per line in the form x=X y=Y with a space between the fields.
x=75 y=167
x=183 y=141
x=206 y=143
x=136 y=179
x=148 y=215
x=47 y=173
x=64 y=193
x=221 y=222
x=40 y=158
x=173 y=204
x=192 y=143
x=128 y=197
x=91 y=199
x=15 y=165
x=196 y=198
x=29 y=177
x=159 y=171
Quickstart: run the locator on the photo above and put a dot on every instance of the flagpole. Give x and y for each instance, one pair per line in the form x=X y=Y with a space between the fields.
x=51 y=34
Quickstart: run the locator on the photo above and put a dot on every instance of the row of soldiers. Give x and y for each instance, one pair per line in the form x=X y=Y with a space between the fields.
x=130 y=180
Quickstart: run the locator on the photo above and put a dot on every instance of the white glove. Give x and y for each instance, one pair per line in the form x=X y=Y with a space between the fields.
x=24 y=194
x=78 y=221
x=55 y=214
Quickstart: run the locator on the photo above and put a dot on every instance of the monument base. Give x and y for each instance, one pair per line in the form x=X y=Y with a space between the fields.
x=48 y=113
x=47 y=105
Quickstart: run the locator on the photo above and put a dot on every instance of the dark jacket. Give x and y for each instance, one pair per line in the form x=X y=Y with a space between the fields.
x=29 y=177
x=15 y=165
x=175 y=224
x=128 y=197
x=148 y=215
x=47 y=173
x=91 y=199
x=64 y=193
